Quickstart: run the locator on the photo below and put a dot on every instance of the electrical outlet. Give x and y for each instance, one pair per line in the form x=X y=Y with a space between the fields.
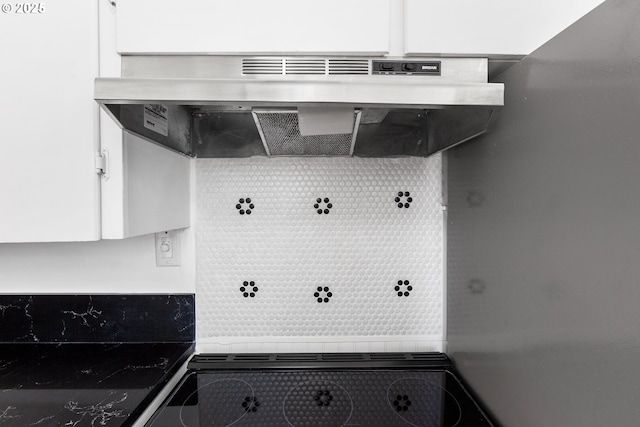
x=167 y=249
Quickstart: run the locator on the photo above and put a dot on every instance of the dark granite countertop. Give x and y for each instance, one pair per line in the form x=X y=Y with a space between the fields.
x=83 y=384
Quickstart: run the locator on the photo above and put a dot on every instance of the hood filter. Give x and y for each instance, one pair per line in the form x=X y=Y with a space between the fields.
x=280 y=134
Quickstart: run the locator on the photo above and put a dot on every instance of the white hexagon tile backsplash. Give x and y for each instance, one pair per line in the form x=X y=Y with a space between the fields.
x=319 y=248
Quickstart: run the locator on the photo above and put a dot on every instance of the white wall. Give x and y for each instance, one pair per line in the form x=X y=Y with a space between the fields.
x=106 y=266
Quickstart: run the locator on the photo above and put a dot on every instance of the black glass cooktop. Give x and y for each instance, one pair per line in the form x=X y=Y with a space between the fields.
x=319 y=397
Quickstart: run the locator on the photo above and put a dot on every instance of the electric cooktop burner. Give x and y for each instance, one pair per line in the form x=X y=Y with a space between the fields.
x=319 y=397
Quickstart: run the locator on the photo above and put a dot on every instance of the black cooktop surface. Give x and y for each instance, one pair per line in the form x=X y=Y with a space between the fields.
x=363 y=397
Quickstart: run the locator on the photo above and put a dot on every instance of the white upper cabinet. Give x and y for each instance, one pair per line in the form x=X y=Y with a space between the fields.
x=146 y=186
x=49 y=189
x=487 y=27
x=253 y=26
x=49 y=138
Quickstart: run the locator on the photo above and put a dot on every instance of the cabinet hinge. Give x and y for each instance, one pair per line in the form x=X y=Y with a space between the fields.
x=101 y=163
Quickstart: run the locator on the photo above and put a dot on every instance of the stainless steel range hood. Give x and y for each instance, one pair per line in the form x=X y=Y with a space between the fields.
x=208 y=105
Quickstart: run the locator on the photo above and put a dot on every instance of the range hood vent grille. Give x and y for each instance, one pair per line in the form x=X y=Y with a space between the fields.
x=280 y=134
x=305 y=66
x=308 y=66
x=262 y=66
x=348 y=66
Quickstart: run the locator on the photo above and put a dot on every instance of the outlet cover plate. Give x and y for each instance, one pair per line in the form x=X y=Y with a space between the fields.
x=167 y=249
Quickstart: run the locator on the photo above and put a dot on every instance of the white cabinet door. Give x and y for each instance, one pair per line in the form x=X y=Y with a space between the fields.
x=253 y=26
x=491 y=27
x=49 y=190
x=49 y=136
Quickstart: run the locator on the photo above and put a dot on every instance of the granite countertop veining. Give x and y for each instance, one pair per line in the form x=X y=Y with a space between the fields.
x=83 y=384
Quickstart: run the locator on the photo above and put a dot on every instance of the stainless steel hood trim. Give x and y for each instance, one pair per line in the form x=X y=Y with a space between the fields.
x=453 y=70
x=375 y=91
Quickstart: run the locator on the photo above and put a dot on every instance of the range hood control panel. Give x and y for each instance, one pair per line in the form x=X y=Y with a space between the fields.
x=431 y=68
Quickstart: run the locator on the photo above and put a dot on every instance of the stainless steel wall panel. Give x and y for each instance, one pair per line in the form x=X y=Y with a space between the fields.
x=544 y=234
